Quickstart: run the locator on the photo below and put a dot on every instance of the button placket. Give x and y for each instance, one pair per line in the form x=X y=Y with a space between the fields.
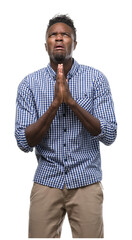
x=64 y=130
x=65 y=141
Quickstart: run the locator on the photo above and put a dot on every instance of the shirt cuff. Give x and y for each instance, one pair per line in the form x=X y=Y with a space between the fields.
x=22 y=141
x=103 y=126
x=108 y=132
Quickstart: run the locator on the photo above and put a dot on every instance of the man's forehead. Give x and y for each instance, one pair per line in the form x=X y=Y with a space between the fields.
x=58 y=27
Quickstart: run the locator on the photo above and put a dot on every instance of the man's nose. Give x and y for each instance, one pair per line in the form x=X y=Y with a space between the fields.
x=59 y=37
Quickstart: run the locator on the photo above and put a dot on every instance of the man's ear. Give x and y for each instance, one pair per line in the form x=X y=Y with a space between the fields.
x=45 y=46
x=75 y=44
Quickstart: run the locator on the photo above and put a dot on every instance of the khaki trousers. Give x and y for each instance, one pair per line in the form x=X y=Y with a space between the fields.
x=49 y=205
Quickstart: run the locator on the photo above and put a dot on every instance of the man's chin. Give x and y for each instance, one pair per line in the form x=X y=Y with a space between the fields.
x=59 y=58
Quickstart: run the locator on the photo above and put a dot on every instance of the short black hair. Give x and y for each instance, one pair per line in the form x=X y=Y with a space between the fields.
x=63 y=19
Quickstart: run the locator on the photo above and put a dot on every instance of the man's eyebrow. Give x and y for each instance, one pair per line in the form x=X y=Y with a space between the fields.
x=52 y=32
x=59 y=32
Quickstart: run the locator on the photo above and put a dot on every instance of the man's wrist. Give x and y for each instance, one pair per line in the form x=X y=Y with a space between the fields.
x=71 y=103
x=55 y=103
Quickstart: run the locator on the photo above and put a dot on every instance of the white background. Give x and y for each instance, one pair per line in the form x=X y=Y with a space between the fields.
x=104 y=42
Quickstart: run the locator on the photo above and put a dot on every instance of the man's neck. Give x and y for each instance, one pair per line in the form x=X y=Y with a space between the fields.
x=66 y=64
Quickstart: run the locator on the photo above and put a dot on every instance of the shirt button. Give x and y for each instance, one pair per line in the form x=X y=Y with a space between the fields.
x=64 y=144
x=65 y=130
x=64 y=114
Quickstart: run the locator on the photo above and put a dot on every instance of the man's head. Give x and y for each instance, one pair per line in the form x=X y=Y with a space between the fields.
x=60 y=38
x=63 y=19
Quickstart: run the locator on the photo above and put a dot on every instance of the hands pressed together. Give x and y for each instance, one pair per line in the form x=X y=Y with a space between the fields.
x=62 y=92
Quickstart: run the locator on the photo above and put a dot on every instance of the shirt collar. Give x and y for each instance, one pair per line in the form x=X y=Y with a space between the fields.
x=71 y=73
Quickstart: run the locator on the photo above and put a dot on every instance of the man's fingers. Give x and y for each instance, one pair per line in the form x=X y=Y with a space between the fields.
x=60 y=73
x=60 y=68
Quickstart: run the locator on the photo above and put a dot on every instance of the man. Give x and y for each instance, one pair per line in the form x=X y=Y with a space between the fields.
x=64 y=111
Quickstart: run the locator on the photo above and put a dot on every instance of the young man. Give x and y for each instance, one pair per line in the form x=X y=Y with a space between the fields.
x=64 y=111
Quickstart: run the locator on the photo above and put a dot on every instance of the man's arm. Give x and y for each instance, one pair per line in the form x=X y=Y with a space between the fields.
x=36 y=131
x=91 y=123
x=102 y=124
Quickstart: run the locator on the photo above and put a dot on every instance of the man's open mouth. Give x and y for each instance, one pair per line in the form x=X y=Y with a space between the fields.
x=59 y=47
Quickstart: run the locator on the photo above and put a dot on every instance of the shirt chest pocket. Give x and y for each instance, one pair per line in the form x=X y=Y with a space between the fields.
x=86 y=103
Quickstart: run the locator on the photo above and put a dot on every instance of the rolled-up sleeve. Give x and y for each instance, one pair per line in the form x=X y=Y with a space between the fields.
x=104 y=110
x=25 y=114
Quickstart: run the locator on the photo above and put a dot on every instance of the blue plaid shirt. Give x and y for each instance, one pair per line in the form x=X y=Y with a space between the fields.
x=68 y=154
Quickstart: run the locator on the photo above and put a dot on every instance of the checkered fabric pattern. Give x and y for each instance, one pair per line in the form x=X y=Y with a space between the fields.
x=68 y=154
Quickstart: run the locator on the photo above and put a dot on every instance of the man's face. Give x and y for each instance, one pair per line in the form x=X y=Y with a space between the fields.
x=60 y=42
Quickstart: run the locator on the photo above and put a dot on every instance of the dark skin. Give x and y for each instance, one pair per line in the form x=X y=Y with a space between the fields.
x=60 y=45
